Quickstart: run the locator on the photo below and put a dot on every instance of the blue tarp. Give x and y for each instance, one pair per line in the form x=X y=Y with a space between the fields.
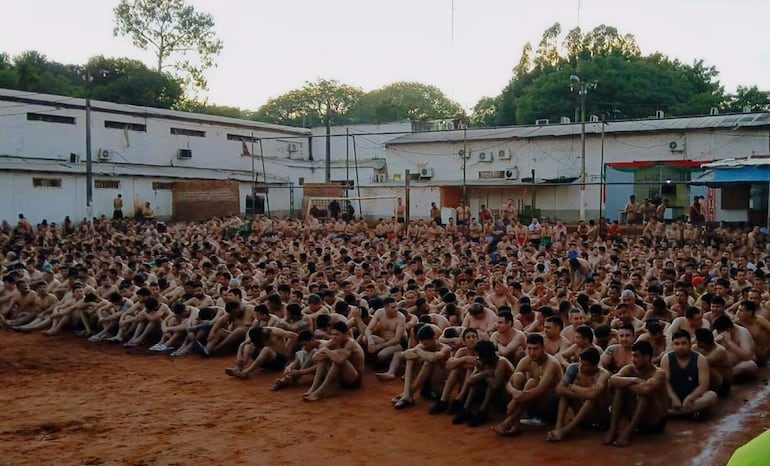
x=737 y=175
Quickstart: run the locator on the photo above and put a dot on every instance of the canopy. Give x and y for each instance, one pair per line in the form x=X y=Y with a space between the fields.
x=636 y=165
x=738 y=175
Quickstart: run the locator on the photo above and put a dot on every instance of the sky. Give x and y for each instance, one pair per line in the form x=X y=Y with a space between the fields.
x=467 y=48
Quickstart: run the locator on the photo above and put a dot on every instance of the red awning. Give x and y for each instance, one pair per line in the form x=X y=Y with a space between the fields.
x=689 y=164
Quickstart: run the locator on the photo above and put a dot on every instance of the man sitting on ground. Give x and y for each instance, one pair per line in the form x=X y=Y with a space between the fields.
x=431 y=357
x=269 y=348
x=584 y=390
x=721 y=369
x=639 y=395
x=340 y=361
x=687 y=378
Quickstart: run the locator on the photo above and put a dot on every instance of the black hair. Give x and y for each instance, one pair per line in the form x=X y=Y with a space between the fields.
x=585 y=332
x=681 y=333
x=643 y=347
x=535 y=339
x=591 y=356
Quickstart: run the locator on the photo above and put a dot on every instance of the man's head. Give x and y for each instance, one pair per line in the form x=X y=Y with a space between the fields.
x=704 y=338
x=487 y=352
x=535 y=344
x=680 y=342
x=339 y=333
x=626 y=335
x=746 y=311
x=470 y=337
x=552 y=327
x=641 y=354
x=589 y=361
x=504 y=321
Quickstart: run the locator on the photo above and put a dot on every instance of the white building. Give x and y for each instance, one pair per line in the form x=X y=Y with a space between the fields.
x=650 y=158
x=136 y=151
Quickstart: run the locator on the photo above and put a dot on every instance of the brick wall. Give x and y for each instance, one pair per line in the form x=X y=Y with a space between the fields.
x=202 y=200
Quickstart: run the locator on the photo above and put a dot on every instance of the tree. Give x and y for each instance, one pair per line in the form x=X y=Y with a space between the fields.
x=126 y=81
x=312 y=105
x=748 y=98
x=629 y=85
x=404 y=101
x=211 y=109
x=173 y=31
x=485 y=112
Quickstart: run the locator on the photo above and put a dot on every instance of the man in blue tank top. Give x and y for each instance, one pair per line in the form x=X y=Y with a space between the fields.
x=687 y=378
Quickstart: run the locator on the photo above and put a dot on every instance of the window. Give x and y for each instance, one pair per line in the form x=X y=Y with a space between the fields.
x=188 y=132
x=238 y=137
x=158 y=186
x=107 y=184
x=51 y=118
x=46 y=182
x=128 y=126
x=735 y=197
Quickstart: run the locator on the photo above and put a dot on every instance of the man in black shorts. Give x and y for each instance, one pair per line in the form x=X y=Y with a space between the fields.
x=270 y=348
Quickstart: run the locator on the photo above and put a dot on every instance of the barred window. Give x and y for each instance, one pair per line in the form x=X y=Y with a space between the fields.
x=188 y=132
x=159 y=185
x=107 y=184
x=51 y=118
x=46 y=182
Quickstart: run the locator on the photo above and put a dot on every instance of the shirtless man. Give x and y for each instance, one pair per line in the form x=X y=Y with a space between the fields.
x=758 y=327
x=739 y=345
x=44 y=305
x=480 y=318
x=584 y=390
x=508 y=340
x=23 y=305
x=639 y=395
x=687 y=378
x=721 y=369
x=268 y=348
x=532 y=386
x=554 y=341
x=173 y=328
x=385 y=331
x=431 y=357
x=617 y=356
x=490 y=375
x=692 y=319
x=340 y=361
x=584 y=339
x=147 y=320
x=302 y=364
x=229 y=329
x=459 y=367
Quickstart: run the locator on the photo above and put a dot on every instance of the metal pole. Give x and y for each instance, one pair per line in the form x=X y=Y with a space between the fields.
x=465 y=158
x=406 y=202
x=89 y=168
x=253 y=178
x=767 y=199
x=328 y=172
x=347 y=157
x=601 y=181
x=583 y=151
x=358 y=181
x=264 y=176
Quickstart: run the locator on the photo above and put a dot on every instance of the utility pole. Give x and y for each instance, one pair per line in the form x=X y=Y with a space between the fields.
x=406 y=202
x=465 y=158
x=328 y=174
x=89 y=168
x=582 y=89
x=347 y=161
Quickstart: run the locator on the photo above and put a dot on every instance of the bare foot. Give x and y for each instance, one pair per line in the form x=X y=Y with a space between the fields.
x=622 y=441
x=610 y=439
x=233 y=371
x=385 y=376
x=503 y=432
x=312 y=397
x=555 y=435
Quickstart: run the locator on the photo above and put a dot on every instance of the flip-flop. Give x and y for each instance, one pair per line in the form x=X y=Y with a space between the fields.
x=403 y=403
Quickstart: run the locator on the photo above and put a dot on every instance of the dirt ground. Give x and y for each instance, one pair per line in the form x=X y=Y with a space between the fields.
x=65 y=401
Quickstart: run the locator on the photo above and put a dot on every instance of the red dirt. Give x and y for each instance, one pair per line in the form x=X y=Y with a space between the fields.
x=69 y=402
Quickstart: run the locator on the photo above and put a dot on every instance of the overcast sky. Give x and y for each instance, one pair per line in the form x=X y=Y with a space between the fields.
x=271 y=47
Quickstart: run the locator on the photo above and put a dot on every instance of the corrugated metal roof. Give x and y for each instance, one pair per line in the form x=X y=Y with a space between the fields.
x=738 y=163
x=730 y=121
x=114 y=169
x=145 y=112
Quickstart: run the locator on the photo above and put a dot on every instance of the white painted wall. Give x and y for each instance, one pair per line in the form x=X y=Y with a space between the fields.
x=367 y=145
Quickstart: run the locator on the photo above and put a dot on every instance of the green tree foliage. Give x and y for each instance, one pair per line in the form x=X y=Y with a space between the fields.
x=628 y=85
x=119 y=80
x=196 y=106
x=127 y=81
x=404 y=101
x=180 y=37
x=312 y=105
x=485 y=112
x=748 y=98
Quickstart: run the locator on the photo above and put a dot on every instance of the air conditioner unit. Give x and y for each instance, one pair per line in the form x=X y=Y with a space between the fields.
x=593 y=118
x=565 y=120
x=512 y=173
x=747 y=109
x=659 y=114
x=381 y=178
x=74 y=158
x=714 y=111
x=184 y=154
x=503 y=155
x=292 y=147
x=426 y=173
x=301 y=181
x=676 y=146
x=485 y=156
x=462 y=153
x=542 y=122
x=104 y=154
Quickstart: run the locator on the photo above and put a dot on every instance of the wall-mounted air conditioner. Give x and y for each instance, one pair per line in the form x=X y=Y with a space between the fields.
x=676 y=146
x=293 y=147
x=485 y=156
x=104 y=154
x=463 y=153
x=512 y=173
x=426 y=173
x=504 y=154
x=381 y=178
x=184 y=154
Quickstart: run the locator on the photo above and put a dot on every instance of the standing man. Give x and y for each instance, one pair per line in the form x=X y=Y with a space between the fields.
x=117 y=208
x=435 y=213
x=463 y=215
x=400 y=212
x=687 y=378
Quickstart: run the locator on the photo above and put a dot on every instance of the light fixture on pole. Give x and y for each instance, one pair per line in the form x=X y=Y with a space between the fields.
x=576 y=84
